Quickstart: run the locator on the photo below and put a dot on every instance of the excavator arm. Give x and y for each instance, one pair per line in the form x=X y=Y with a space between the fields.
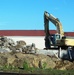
x=51 y=39
x=48 y=17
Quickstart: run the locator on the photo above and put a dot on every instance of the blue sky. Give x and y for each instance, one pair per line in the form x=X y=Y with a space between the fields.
x=28 y=14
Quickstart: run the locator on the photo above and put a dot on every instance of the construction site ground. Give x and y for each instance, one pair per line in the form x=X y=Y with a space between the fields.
x=18 y=58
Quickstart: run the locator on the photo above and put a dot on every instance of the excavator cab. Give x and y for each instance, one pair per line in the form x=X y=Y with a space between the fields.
x=55 y=39
x=52 y=40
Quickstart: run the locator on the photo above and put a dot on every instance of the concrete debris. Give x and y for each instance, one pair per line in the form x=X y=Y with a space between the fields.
x=8 y=45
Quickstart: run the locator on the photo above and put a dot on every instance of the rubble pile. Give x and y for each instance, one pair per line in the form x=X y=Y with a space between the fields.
x=8 y=45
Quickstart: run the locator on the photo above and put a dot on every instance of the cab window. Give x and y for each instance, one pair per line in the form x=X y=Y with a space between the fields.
x=57 y=36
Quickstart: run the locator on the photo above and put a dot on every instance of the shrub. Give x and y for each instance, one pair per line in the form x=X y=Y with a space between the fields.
x=25 y=66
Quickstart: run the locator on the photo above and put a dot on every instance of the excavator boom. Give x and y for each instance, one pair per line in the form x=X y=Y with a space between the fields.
x=48 y=17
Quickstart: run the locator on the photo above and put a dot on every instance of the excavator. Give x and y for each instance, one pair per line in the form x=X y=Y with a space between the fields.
x=58 y=39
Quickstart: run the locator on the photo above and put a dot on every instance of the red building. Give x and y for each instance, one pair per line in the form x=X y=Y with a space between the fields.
x=29 y=33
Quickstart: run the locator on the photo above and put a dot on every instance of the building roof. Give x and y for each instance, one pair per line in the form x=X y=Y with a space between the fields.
x=29 y=33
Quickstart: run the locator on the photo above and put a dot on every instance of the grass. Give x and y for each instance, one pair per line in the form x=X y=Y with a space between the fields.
x=31 y=70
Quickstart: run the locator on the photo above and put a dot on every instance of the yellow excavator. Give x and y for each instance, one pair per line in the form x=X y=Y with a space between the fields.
x=59 y=39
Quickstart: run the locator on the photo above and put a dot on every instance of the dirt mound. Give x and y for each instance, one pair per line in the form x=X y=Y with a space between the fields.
x=18 y=59
x=36 y=61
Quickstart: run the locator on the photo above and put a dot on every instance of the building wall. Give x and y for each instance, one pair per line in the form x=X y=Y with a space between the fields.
x=38 y=40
